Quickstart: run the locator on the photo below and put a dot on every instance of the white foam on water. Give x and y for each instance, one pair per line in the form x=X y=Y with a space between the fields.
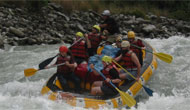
x=162 y=102
x=170 y=82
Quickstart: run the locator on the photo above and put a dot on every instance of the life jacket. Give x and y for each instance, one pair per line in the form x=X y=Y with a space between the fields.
x=92 y=77
x=95 y=40
x=106 y=73
x=135 y=49
x=79 y=50
x=63 y=69
x=81 y=71
x=128 y=63
x=106 y=70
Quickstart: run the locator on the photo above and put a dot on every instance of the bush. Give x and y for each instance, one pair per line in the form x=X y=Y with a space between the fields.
x=136 y=12
x=180 y=14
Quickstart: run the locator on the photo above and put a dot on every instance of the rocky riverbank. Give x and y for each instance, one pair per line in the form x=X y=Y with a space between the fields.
x=51 y=25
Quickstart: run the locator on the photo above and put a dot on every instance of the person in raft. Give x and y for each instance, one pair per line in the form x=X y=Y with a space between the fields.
x=136 y=46
x=66 y=72
x=111 y=74
x=131 y=62
x=95 y=38
x=79 y=51
x=109 y=23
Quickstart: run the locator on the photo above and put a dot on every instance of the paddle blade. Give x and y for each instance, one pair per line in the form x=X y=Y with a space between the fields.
x=52 y=96
x=126 y=98
x=29 y=72
x=148 y=91
x=45 y=90
x=43 y=64
x=164 y=57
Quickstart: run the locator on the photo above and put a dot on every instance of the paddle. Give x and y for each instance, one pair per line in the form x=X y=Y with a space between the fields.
x=126 y=98
x=43 y=64
x=162 y=56
x=148 y=90
x=31 y=71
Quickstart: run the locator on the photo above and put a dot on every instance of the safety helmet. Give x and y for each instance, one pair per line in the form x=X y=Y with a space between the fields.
x=105 y=32
x=131 y=35
x=79 y=34
x=125 y=44
x=97 y=27
x=107 y=59
x=106 y=13
x=63 y=49
x=118 y=38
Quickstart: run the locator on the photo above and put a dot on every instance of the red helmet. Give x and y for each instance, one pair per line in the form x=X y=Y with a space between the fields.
x=63 y=49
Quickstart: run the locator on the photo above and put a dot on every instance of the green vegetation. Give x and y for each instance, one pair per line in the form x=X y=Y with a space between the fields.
x=179 y=9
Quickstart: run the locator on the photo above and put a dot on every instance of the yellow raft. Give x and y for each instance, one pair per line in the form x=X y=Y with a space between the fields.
x=133 y=88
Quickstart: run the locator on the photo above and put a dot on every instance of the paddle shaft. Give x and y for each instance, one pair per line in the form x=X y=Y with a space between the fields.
x=76 y=42
x=162 y=56
x=126 y=98
x=139 y=47
x=105 y=78
x=43 y=64
x=32 y=71
x=124 y=69
x=55 y=65
x=69 y=47
x=148 y=90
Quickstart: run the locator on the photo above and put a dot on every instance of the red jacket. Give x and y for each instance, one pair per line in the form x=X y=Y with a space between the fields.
x=135 y=49
x=79 y=50
x=95 y=40
x=128 y=63
x=63 y=69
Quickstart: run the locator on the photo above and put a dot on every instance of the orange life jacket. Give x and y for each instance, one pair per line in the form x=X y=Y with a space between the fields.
x=79 y=50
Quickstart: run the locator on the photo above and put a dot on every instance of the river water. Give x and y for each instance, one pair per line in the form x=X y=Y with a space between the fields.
x=170 y=82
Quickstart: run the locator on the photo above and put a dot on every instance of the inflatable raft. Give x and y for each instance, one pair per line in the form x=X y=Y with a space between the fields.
x=88 y=101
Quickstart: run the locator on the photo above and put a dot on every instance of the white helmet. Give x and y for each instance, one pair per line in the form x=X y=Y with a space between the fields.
x=125 y=44
x=106 y=13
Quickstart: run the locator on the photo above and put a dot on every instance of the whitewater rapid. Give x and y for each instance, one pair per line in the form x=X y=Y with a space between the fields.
x=170 y=82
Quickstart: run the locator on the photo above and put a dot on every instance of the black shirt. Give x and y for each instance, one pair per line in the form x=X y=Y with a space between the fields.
x=112 y=25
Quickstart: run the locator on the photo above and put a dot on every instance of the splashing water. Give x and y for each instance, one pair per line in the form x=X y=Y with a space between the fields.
x=170 y=82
